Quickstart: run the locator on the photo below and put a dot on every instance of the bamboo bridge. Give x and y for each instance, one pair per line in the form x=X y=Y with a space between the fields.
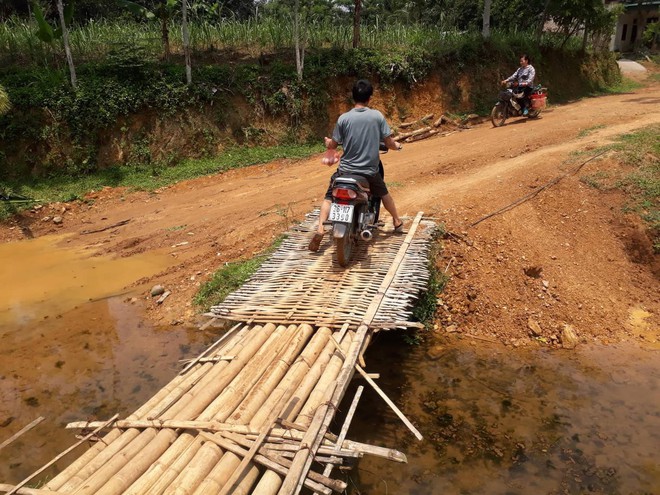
x=252 y=413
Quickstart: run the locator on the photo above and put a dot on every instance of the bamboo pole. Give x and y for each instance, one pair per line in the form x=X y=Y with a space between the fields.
x=329 y=375
x=98 y=454
x=206 y=456
x=23 y=430
x=277 y=457
x=189 y=406
x=197 y=470
x=102 y=475
x=267 y=387
x=263 y=390
x=167 y=468
x=57 y=458
x=245 y=478
x=4 y=487
x=297 y=373
x=387 y=400
x=246 y=373
x=344 y=429
x=275 y=466
x=323 y=415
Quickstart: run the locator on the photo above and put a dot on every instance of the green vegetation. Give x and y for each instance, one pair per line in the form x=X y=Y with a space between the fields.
x=642 y=151
x=132 y=106
x=640 y=180
x=624 y=85
x=586 y=132
x=425 y=306
x=231 y=277
x=5 y=105
x=68 y=187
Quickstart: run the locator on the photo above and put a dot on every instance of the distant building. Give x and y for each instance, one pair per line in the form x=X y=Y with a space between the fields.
x=631 y=24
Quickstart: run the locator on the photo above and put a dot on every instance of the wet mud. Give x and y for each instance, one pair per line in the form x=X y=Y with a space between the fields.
x=499 y=420
x=71 y=351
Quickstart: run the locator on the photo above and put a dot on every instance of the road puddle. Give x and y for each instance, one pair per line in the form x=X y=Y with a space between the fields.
x=67 y=358
x=39 y=279
x=502 y=421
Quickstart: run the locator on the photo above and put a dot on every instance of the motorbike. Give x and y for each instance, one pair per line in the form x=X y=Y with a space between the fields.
x=509 y=104
x=354 y=213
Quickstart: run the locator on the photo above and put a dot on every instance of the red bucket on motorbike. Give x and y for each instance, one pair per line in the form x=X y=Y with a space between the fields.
x=538 y=100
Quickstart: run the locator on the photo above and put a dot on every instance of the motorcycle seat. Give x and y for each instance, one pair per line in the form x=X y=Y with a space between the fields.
x=353 y=179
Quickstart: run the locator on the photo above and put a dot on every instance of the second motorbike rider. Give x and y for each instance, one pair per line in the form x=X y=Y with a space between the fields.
x=359 y=131
x=523 y=78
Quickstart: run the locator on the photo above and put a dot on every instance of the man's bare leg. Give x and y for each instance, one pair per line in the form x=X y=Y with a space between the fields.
x=323 y=216
x=315 y=243
x=388 y=203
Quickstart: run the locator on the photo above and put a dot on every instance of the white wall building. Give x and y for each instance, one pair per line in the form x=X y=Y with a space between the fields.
x=631 y=24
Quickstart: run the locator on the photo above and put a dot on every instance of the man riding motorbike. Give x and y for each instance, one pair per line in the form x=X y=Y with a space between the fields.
x=523 y=78
x=359 y=131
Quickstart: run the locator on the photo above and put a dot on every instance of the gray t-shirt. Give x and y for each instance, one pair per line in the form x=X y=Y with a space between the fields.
x=359 y=131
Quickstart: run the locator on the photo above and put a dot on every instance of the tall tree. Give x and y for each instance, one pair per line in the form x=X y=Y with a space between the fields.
x=186 y=39
x=67 y=47
x=299 y=36
x=356 y=23
x=164 y=11
x=485 y=29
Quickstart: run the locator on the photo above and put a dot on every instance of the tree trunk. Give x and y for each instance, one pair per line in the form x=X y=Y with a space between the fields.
x=356 y=23
x=485 y=31
x=299 y=45
x=585 y=38
x=67 y=47
x=544 y=18
x=165 y=35
x=186 y=40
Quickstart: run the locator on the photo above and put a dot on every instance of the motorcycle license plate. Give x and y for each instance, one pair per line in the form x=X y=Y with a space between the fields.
x=341 y=213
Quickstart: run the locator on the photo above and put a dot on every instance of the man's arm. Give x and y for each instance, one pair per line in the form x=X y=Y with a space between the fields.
x=330 y=143
x=392 y=144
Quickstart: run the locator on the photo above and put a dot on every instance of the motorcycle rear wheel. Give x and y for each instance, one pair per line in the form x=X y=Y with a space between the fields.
x=498 y=116
x=533 y=114
x=344 y=249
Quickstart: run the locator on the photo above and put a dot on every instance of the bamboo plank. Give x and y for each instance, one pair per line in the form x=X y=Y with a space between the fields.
x=57 y=458
x=322 y=418
x=344 y=429
x=22 y=431
x=277 y=457
x=6 y=488
x=277 y=467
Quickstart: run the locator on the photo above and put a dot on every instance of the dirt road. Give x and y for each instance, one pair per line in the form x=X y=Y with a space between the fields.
x=593 y=269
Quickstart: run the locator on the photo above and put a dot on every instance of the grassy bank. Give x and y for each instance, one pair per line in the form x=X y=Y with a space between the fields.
x=231 y=277
x=69 y=187
x=133 y=109
x=639 y=179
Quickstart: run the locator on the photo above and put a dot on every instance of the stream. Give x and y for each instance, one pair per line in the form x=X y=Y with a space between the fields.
x=498 y=420
x=495 y=420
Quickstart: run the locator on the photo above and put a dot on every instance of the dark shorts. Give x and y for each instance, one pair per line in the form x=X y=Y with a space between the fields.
x=376 y=184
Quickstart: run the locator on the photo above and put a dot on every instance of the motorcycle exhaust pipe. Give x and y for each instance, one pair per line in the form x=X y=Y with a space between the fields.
x=366 y=235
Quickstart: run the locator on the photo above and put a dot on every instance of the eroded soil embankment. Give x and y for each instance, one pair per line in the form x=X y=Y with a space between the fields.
x=571 y=232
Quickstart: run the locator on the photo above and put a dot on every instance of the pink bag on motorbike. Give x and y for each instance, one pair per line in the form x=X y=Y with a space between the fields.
x=330 y=157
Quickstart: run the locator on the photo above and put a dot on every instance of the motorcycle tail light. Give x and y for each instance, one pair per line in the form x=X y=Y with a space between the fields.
x=341 y=193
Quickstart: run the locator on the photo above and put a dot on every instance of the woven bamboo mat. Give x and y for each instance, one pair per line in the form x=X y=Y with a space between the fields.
x=296 y=286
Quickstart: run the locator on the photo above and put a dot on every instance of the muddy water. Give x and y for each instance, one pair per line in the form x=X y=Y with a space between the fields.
x=504 y=421
x=67 y=358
